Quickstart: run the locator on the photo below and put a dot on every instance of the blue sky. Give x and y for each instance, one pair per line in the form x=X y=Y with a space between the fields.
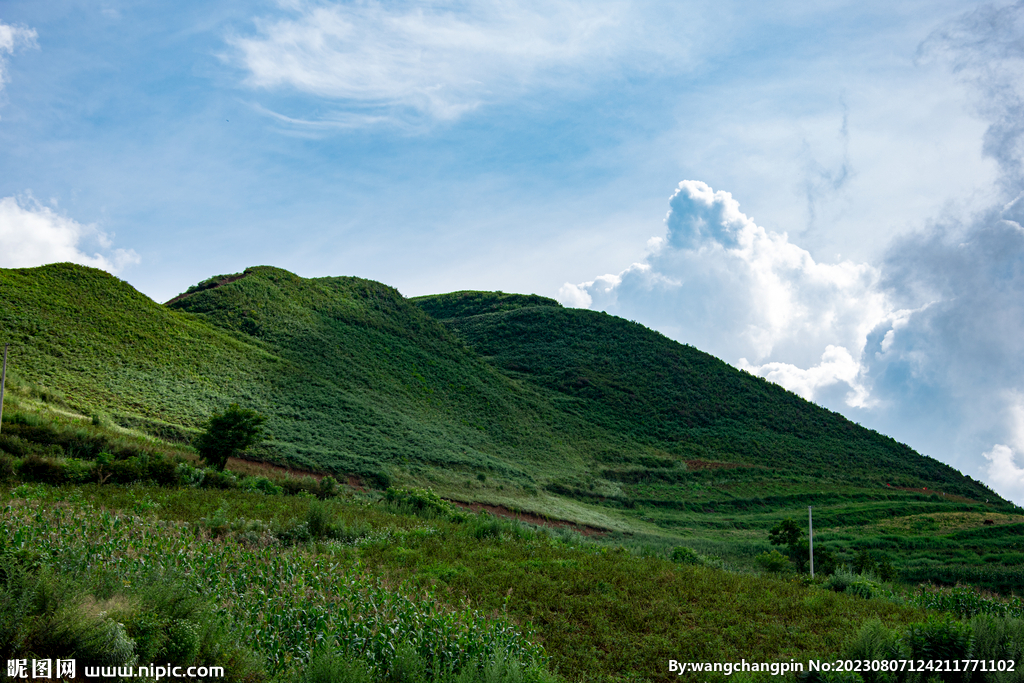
x=820 y=193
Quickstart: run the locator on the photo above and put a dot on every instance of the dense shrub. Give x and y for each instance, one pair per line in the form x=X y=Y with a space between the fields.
x=295 y=485
x=773 y=562
x=6 y=467
x=328 y=487
x=262 y=485
x=42 y=469
x=215 y=479
x=424 y=503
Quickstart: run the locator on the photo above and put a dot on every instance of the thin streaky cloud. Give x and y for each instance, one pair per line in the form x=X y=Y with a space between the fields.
x=436 y=61
x=11 y=38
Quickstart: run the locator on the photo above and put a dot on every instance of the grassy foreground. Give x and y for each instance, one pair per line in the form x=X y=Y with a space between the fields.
x=285 y=578
x=456 y=588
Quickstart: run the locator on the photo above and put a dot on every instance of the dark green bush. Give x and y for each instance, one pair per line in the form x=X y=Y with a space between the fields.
x=182 y=643
x=13 y=444
x=421 y=502
x=328 y=487
x=295 y=485
x=773 y=562
x=684 y=555
x=484 y=525
x=6 y=467
x=127 y=471
x=261 y=484
x=214 y=479
x=37 y=468
x=319 y=520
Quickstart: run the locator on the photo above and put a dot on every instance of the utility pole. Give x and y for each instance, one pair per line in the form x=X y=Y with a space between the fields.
x=810 y=537
x=3 y=380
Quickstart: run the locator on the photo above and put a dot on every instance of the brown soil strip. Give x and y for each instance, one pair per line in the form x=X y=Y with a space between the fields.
x=265 y=469
x=532 y=518
x=935 y=492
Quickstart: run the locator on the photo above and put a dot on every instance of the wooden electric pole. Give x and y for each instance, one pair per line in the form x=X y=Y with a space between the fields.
x=810 y=538
x=3 y=380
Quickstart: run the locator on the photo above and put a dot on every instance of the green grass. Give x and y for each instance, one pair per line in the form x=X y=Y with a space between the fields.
x=600 y=613
x=484 y=397
x=284 y=601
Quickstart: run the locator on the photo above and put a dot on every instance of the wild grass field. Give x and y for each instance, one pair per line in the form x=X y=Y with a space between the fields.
x=280 y=577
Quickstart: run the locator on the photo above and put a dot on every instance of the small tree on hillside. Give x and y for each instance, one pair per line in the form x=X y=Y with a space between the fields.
x=229 y=434
x=789 y=534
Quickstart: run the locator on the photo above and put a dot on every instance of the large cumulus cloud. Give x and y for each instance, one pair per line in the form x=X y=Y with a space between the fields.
x=723 y=283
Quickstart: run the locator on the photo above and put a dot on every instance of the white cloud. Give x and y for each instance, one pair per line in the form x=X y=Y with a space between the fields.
x=1005 y=476
x=33 y=235
x=728 y=286
x=12 y=37
x=441 y=60
x=836 y=366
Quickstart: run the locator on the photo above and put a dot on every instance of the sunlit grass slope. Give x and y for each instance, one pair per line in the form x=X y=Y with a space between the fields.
x=353 y=378
x=492 y=397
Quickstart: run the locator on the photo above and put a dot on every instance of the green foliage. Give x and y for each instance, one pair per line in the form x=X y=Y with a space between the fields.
x=488 y=397
x=283 y=602
x=773 y=562
x=262 y=485
x=930 y=642
x=182 y=642
x=423 y=502
x=326 y=666
x=683 y=555
x=328 y=487
x=966 y=602
x=786 y=533
x=228 y=434
x=318 y=520
x=846 y=580
x=47 y=610
x=790 y=535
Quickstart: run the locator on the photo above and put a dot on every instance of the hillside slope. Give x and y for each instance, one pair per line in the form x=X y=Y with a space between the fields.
x=635 y=381
x=352 y=377
x=489 y=397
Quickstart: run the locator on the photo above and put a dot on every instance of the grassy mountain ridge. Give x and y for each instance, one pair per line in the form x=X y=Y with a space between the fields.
x=633 y=380
x=490 y=397
x=352 y=377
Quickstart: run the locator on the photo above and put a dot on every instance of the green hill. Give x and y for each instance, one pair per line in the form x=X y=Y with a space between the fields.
x=634 y=381
x=485 y=397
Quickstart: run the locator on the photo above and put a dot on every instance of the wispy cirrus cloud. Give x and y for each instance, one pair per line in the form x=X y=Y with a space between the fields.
x=438 y=60
x=11 y=38
x=34 y=235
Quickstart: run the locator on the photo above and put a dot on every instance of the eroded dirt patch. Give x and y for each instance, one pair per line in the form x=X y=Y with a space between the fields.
x=532 y=518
